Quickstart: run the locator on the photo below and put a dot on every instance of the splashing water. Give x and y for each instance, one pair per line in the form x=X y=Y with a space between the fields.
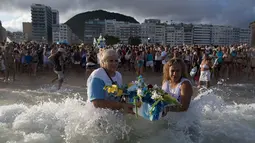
x=210 y=119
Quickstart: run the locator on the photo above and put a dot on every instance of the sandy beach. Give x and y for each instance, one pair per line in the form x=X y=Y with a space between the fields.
x=74 y=78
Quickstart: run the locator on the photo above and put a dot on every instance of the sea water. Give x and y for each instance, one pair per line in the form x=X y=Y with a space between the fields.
x=221 y=114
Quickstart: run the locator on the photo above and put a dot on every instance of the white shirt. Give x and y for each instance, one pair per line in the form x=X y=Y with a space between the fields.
x=163 y=54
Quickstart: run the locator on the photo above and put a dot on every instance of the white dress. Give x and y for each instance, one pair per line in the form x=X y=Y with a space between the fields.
x=205 y=75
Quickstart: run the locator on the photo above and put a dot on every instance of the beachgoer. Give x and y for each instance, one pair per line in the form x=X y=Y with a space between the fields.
x=106 y=75
x=91 y=64
x=205 y=73
x=176 y=83
x=58 y=61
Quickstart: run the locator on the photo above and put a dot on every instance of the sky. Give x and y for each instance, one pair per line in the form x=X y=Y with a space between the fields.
x=237 y=13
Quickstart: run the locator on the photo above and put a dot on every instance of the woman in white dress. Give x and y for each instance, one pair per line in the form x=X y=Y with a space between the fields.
x=205 y=71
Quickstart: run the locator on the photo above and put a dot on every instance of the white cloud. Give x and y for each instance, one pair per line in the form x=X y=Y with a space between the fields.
x=15 y=23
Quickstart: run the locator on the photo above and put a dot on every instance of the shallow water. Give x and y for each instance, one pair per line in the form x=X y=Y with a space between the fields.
x=222 y=114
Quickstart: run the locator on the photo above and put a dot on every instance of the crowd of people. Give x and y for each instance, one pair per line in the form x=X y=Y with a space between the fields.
x=203 y=63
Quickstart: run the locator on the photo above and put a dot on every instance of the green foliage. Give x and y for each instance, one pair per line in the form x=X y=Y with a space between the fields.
x=77 y=22
x=111 y=40
x=134 y=40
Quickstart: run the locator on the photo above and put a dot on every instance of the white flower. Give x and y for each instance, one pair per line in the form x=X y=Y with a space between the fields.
x=155 y=95
x=139 y=91
x=155 y=86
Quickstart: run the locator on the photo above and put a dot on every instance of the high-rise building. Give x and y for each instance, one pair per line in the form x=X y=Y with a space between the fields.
x=41 y=23
x=55 y=17
x=27 y=30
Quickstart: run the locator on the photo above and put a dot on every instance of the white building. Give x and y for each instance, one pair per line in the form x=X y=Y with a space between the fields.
x=188 y=34
x=202 y=34
x=154 y=30
x=64 y=35
x=245 y=36
x=18 y=37
x=222 y=35
x=174 y=35
x=41 y=23
x=122 y=30
x=110 y=27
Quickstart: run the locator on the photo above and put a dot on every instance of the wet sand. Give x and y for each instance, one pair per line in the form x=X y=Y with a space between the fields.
x=72 y=79
x=75 y=78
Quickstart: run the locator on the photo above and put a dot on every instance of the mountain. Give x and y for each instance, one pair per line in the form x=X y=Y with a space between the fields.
x=77 y=22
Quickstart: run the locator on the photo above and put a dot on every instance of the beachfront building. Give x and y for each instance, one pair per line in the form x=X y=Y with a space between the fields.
x=3 y=33
x=124 y=30
x=222 y=35
x=245 y=36
x=27 y=30
x=153 y=31
x=41 y=23
x=120 y=29
x=62 y=34
x=19 y=37
x=55 y=33
x=188 y=34
x=202 y=34
x=174 y=34
x=110 y=27
x=93 y=28
x=252 y=27
x=55 y=17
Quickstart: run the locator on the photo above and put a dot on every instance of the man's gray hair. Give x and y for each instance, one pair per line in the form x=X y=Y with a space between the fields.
x=106 y=54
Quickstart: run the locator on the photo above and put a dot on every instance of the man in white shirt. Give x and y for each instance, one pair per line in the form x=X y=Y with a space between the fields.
x=164 y=55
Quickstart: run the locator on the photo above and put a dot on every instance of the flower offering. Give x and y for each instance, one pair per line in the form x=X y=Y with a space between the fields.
x=149 y=100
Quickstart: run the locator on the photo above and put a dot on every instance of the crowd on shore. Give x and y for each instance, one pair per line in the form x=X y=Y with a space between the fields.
x=204 y=63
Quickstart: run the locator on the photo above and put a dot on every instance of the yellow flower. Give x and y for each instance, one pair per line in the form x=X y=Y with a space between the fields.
x=130 y=84
x=110 y=90
x=115 y=87
x=120 y=92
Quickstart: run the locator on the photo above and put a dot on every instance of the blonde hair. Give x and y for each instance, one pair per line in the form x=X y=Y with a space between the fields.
x=106 y=54
x=170 y=63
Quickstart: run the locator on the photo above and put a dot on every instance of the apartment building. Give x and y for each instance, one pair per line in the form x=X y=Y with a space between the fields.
x=174 y=35
x=154 y=30
x=245 y=36
x=41 y=23
x=188 y=34
x=222 y=35
x=110 y=27
x=93 y=28
x=55 y=17
x=27 y=30
x=124 y=30
x=63 y=34
x=19 y=37
x=202 y=34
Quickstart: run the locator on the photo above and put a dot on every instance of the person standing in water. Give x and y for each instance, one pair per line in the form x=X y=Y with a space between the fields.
x=58 y=62
x=107 y=74
x=177 y=85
